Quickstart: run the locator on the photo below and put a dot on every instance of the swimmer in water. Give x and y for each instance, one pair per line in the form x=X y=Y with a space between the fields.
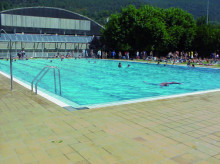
x=119 y=65
x=166 y=84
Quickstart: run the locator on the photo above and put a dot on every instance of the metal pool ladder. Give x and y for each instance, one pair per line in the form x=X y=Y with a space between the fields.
x=42 y=73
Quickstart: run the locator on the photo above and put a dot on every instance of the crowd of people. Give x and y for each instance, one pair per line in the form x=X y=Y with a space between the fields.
x=191 y=58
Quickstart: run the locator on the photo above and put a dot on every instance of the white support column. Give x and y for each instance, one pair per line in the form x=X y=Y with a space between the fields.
x=42 y=48
x=16 y=52
x=33 y=50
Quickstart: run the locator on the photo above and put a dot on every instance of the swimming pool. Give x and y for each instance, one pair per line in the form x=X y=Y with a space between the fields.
x=91 y=82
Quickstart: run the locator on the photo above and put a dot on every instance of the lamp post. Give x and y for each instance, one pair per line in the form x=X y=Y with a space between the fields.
x=207 y=18
x=10 y=47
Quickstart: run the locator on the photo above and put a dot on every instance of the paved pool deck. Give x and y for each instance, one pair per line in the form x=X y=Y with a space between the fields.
x=181 y=130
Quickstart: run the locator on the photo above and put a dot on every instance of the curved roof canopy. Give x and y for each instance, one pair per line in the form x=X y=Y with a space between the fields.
x=40 y=20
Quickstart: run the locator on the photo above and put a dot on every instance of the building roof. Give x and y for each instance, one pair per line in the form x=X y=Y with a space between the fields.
x=45 y=13
x=45 y=38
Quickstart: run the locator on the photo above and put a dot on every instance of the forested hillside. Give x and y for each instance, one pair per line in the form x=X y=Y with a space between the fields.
x=101 y=9
x=197 y=8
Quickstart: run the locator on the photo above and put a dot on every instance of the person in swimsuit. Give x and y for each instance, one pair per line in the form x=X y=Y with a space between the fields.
x=119 y=65
x=166 y=84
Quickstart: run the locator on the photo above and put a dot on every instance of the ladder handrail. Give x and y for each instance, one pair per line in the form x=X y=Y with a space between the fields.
x=32 y=83
x=42 y=75
x=55 y=86
x=59 y=79
x=40 y=79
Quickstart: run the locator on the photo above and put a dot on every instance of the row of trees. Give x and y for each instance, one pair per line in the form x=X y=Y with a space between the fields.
x=161 y=30
x=207 y=39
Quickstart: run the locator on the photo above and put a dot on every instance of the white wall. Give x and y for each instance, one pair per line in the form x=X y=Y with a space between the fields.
x=44 y=22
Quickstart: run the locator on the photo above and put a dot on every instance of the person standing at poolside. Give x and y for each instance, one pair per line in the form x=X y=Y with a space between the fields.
x=144 y=55
x=99 y=54
x=188 y=64
x=137 y=55
x=19 y=55
x=119 y=55
x=113 y=54
x=92 y=53
x=196 y=55
x=83 y=53
x=192 y=55
x=103 y=55
x=86 y=54
x=128 y=55
x=151 y=54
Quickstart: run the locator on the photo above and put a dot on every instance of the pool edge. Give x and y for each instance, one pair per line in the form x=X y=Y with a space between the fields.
x=150 y=99
x=123 y=102
x=48 y=97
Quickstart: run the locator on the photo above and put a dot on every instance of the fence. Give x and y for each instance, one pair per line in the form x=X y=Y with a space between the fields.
x=33 y=54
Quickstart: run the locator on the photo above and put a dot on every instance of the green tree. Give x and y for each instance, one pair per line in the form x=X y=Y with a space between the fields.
x=150 y=28
x=201 y=21
x=135 y=29
x=95 y=44
x=207 y=40
x=181 y=28
x=4 y=5
x=112 y=33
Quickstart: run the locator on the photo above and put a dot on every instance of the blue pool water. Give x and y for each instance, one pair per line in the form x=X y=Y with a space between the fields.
x=103 y=82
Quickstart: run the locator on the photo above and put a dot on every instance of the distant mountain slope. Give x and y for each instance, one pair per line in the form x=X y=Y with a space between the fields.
x=196 y=7
x=101 y=9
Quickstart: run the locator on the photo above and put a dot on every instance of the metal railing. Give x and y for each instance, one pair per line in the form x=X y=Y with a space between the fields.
x=11 y=59
x=42 y=73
